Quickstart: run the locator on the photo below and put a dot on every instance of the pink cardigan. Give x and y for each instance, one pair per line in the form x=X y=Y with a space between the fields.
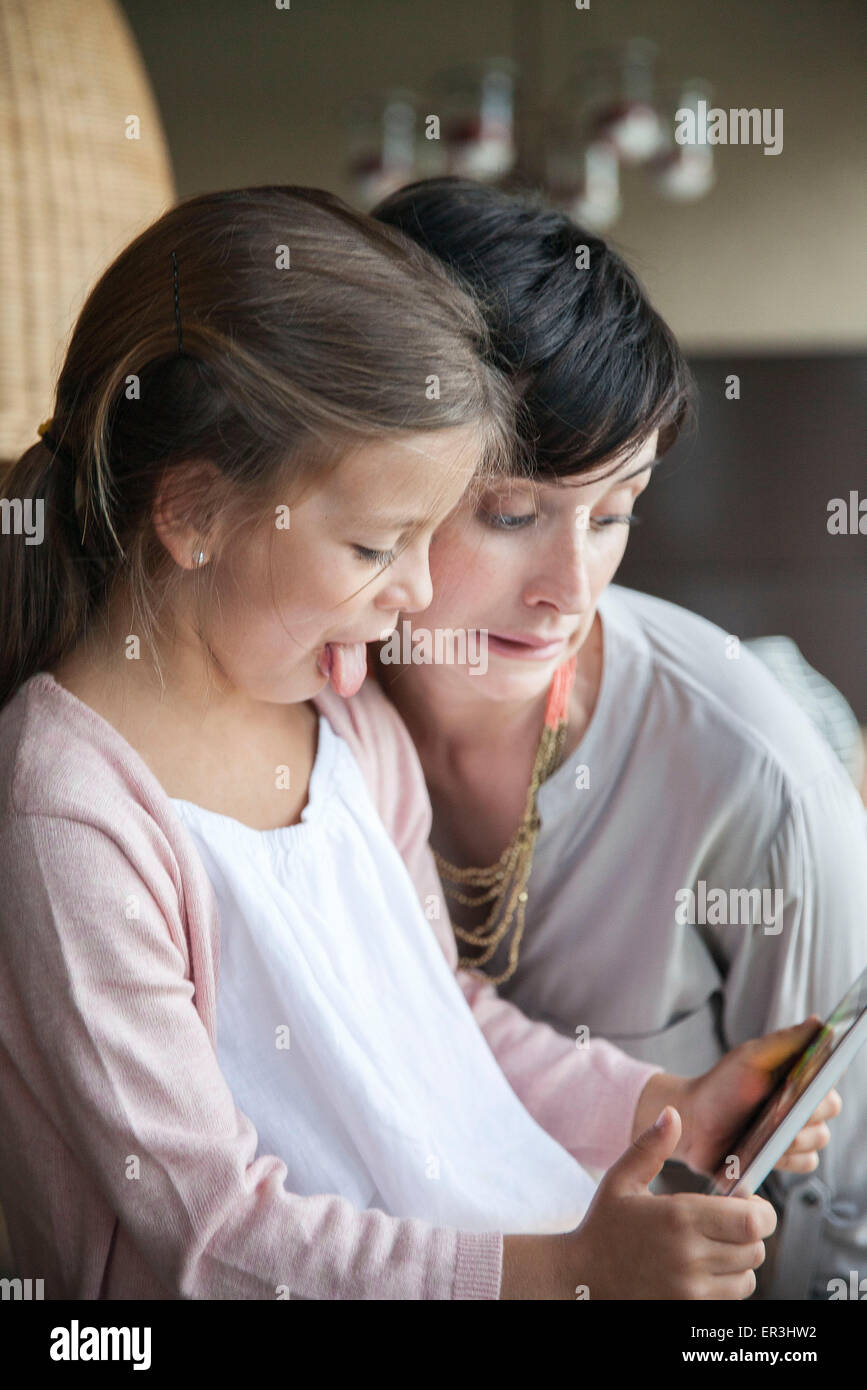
x=126 y=1170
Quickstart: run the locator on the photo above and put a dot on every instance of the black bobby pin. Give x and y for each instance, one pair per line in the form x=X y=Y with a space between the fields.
x=177 y=303
x=51 y=443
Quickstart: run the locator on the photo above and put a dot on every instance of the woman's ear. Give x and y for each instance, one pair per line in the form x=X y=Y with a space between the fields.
x=183 y=512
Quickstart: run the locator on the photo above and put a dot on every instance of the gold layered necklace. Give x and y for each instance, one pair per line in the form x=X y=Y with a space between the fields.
x=504 y=884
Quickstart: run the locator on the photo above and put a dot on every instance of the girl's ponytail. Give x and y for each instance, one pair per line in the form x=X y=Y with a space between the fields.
x=46 y=579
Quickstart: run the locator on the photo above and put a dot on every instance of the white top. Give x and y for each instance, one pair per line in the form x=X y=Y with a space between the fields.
x=698 y=768
x=344 y=1035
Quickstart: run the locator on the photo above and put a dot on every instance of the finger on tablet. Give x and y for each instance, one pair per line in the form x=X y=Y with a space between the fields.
x=798 y=1163
x=828 y=1107
x=808 y=1139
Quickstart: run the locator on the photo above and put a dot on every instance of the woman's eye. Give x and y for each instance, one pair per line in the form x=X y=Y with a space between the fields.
x=630 y=519
x=375 y=557
x=515 y=521
x=508 y=521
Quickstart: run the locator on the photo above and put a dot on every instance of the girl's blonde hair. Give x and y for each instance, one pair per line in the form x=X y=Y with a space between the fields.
x=305 y=329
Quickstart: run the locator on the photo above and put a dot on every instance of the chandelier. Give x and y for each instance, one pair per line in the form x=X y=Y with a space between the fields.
x=483 y=121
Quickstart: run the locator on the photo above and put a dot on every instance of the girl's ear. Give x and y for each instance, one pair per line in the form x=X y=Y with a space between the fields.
x=183 y=511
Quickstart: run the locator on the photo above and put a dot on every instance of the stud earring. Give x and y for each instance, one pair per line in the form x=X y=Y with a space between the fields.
x=198 y=558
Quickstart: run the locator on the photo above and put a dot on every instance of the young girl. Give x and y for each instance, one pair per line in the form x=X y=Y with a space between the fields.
x=237 y=1062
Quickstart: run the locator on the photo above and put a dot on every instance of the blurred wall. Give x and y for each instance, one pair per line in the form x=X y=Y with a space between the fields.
x=772 y=258
x=735 y=522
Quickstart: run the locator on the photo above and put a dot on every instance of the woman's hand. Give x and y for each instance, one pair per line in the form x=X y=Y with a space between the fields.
x=714 y=1107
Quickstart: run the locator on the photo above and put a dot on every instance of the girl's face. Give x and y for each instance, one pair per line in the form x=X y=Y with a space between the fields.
x=285 y=606
x=528 y=563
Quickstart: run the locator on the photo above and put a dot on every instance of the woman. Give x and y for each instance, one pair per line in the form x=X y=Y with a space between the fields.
x=684 y=771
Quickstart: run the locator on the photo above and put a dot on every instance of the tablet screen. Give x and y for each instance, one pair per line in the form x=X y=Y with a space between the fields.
x=827 y=1039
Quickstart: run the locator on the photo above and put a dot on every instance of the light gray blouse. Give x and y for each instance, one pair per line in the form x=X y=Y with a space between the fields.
x=700 y=878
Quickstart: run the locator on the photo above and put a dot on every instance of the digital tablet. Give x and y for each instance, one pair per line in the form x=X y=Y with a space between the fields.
x=823 y=1061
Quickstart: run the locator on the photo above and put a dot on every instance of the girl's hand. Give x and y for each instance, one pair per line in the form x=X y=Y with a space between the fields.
x=633 y=1244
x=715 y=1107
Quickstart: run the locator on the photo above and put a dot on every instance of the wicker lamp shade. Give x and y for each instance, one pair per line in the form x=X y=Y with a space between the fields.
x=75 y=188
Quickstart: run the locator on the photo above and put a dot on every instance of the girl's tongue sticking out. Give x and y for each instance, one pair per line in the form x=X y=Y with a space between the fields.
x=345 y=665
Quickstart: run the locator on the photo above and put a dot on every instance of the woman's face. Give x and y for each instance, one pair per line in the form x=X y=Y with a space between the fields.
x=283 y=594
x=528 y=563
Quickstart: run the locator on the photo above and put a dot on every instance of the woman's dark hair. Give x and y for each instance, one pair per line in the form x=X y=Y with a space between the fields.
x=596 y=367
x=307 y=328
